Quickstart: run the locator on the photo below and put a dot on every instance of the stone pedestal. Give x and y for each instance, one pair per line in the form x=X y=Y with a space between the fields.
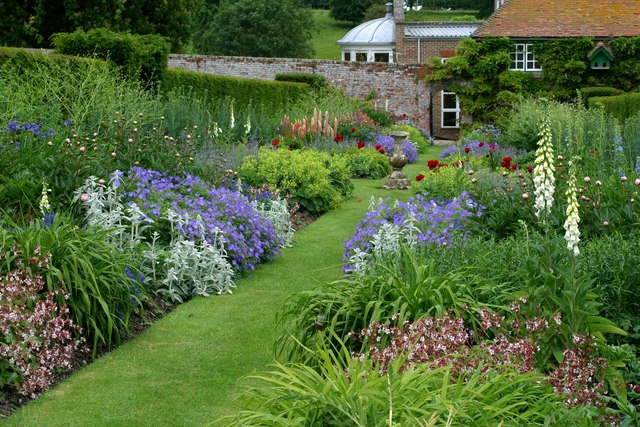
x=398 y=180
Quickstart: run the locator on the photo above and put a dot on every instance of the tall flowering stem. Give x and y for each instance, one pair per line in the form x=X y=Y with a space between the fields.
x=543 y=173
x=572 y=233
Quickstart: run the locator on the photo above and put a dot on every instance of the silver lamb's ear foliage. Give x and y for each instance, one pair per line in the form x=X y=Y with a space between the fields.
x=276 y=210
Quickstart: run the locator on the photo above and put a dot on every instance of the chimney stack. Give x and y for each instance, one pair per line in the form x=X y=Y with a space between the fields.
x=398 y=10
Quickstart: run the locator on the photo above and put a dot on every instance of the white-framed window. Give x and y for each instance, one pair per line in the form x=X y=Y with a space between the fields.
x=381 y=57
x=523 y=59
x=443 y=60
x=361 y=56
x=346 y=56
x=450 y=110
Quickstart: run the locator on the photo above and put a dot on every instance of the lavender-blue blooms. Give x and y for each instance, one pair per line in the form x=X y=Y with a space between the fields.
x=438 y=221
x=36 y=129
x=388 y=143
x=249 y=237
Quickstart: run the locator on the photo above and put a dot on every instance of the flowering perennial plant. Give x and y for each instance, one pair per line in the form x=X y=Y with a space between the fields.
x=572 y=232
x=250 y=238
x=420 y=221
x=37 y=338
x=446 y=341
x=543 y=172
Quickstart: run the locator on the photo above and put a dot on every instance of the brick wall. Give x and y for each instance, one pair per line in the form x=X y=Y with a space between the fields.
x=399 y=87
x=429 y=48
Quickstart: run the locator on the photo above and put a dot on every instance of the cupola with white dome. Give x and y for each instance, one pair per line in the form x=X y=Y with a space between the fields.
x=371 y=41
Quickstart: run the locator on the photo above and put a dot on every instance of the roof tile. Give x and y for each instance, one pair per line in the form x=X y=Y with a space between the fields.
x=564 y=18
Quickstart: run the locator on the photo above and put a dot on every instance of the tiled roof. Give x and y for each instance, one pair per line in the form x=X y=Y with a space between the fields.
x=440 y=30
x=564 y=18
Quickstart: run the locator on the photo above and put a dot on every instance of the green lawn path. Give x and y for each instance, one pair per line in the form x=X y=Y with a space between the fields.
x=187 y=368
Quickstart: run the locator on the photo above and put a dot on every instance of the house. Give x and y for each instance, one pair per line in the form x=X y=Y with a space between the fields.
x=529 y=21
x=526 y=22
x=392 y=40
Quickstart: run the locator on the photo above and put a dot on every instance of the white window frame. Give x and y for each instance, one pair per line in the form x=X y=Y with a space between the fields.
x=449 y=110
x=523 y=59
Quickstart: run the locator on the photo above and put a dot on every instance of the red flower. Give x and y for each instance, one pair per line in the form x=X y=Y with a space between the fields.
x=442 y=165
x=481 y=144
x=276 y=143
x=353 y=129
x=289 y=148
x=530 y=168
x=338 y=137
x=378 y=147
x=419 y=178
x=455 y=164
x=360 y=145
x=492 y=146
x=381 y=151
x=467 y=149
x=513 y=167
x=506 y=162
x=432 y=164
x=594 y=153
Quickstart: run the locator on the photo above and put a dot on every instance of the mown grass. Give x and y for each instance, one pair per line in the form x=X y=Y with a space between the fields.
x=187 y=368
x=327 y=32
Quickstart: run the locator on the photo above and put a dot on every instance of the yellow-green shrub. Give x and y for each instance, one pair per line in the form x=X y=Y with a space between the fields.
x=316 y=180
x=368 y=163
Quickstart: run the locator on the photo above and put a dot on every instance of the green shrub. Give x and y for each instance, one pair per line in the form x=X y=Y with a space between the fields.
x=316 y=81
x=420 y=140
x=593 y=91
x=368 y=163
x=137 y=56
x=621 y=107
x=209 y=88
x=315 y=179
x=447 y=182
x=616 y=278
x=348 y=390
x=412 y=291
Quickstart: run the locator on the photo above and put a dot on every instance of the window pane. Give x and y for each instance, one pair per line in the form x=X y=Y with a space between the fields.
x=449 y=101
x=347 y=56
x=361 y=56
x=449 y=119
x=381 y=57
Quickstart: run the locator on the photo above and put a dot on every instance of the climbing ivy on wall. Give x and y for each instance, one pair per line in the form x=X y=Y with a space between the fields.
x=480 y=73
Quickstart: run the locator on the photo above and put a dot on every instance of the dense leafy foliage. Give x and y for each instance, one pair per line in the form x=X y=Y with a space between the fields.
x=493 y=87
x=315 y=180
x=32 y=23
x=137 y=56
x=255 y=28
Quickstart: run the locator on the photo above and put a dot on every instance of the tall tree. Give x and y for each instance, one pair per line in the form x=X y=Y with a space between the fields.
x=32 y=22
x=267 y=28
x=485 y=8
x=350 y=10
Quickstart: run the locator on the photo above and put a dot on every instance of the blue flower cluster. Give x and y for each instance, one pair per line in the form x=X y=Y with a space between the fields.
x=36 y=129
x=388 y=143
x=438 y=221
x=249 y=237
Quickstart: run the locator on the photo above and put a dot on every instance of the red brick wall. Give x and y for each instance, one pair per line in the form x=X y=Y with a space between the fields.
x=429 y=48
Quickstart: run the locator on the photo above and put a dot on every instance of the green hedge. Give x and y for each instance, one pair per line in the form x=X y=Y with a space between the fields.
x=138 y=56
x=596 y=91
x=316 y=81
x=207 y=87
x=29 y=60
x=621 y=107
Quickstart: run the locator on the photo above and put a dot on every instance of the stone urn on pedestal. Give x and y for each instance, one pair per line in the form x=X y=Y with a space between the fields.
x=398 y=180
